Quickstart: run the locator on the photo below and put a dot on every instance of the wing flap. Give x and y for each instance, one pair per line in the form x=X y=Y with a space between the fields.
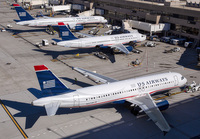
x=120 y=47
x=94 y=76
x=146 y=103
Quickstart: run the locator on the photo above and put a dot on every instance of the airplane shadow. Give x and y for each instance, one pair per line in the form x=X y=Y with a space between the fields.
x=17 y=31
x=79 y=83
x=33 y=113
x=188 y=59
x=55 y=54
x=109 y=52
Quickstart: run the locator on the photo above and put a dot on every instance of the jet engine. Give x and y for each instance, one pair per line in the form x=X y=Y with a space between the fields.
x=119 y=102
x=130 y=48
x=78 y=27
x=162 y=105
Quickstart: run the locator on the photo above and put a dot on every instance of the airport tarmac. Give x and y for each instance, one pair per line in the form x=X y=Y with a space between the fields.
x=19 y=86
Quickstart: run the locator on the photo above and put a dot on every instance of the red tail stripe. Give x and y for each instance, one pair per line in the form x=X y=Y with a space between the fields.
x=16 y=5
x=60 y=23
x=40 y=67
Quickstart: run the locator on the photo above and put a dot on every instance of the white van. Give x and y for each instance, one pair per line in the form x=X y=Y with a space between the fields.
x=177 y=41
x=188 y=44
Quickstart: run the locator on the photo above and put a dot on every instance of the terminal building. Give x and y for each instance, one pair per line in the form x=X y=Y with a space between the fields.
x=182 y=16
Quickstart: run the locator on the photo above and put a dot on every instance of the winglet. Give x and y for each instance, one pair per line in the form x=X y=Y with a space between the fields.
x=16 y=5
x=40 y=67
x=61 y=24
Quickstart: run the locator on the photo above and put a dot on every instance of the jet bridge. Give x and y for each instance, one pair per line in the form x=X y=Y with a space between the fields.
x=152 y=28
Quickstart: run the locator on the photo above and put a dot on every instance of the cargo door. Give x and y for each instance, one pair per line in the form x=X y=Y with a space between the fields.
x=76 y=100
x=175 y=80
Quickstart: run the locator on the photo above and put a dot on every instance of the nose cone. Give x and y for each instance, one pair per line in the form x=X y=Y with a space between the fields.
x=105 y=21
x=185 y=81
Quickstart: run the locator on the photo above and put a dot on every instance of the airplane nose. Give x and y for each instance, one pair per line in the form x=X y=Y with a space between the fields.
x=185 y=80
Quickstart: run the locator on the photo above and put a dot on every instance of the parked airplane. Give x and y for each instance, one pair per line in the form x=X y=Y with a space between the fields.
x=112 y=41
x=75 y=23
x=136 y=91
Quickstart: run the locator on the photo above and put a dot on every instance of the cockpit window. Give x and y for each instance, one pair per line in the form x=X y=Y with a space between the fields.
x=182 y=78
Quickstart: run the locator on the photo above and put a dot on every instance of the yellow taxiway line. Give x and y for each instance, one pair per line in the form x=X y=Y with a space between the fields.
x=14 y=121
x=169 y=95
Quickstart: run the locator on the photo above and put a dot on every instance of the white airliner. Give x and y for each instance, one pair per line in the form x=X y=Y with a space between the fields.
x=73 y=22
x=136 y=91
x=112 y=41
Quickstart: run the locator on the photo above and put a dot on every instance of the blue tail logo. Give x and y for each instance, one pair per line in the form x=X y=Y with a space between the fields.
x=23 y=14
x=65 y=33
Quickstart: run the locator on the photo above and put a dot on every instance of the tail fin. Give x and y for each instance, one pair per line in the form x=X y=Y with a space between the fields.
x=23 y=14
x=65 y=33
x=49 y=83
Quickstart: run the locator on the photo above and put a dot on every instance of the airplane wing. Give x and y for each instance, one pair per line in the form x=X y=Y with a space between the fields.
x=84 y=34
x=120 y=47
x=146 y=103
x=71 y=25
x=40 y=14
x=94 y=76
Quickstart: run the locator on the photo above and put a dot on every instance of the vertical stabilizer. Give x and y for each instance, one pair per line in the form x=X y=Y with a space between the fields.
x=65 y=33
x=49 y=83
x=23 y=14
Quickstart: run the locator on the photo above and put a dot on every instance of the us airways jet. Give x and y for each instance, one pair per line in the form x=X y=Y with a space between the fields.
x=137 y=91
x=112 y=41
x=75 y=23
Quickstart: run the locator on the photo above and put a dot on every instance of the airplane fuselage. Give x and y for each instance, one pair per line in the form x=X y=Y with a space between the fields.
x=116 y=91
x=43 y=22
x=103 y=40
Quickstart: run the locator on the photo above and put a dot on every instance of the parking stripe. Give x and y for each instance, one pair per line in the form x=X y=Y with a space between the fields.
x=14 y=121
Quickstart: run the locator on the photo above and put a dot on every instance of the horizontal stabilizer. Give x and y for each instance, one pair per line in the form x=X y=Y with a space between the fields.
x=52 y=108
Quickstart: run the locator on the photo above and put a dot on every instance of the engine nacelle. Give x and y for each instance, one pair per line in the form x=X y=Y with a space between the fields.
x=78 y=27
x=119 y=102
x=102 y=46
x=163 y=105
x=129 y=48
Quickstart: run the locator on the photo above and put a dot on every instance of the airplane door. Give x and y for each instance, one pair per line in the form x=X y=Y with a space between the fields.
x=80 y=43
x=116 y=39
x=76 y=100
x=141 y=88
x=175 y=80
